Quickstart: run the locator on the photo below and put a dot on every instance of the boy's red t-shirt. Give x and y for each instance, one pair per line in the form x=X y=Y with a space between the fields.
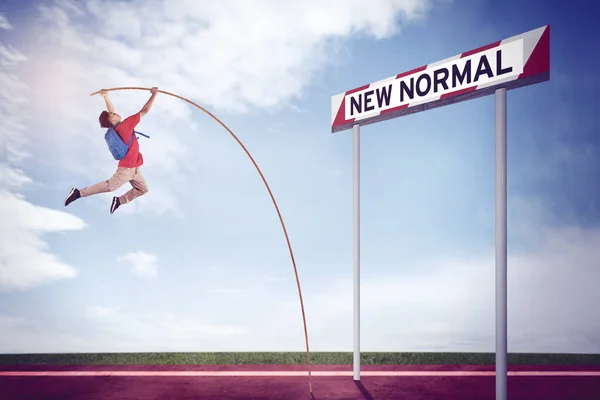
x=133 y=158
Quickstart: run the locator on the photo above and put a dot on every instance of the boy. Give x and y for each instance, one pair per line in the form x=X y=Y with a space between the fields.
x=128 y=169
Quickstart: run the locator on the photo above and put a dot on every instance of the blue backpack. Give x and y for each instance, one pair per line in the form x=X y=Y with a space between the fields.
x=116 y=145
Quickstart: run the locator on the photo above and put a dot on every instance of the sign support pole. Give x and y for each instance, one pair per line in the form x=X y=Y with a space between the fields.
x=501 y=248
x=356 y=245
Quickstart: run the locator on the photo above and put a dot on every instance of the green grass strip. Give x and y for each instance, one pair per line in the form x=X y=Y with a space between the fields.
x=367 y=358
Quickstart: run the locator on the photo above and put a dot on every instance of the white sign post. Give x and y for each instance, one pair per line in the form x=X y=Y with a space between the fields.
x=511 y=63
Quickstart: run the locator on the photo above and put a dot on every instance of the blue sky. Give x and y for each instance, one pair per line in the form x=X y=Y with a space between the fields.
x=200 y=263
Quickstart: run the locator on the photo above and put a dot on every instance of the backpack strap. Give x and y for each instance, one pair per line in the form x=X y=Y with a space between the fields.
x=140 y=133
x=132 y=133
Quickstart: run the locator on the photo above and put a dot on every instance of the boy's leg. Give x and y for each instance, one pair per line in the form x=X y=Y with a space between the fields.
x=139 y=188
x=118 y=179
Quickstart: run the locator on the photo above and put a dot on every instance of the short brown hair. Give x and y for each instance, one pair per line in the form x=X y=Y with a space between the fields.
x=104 y=122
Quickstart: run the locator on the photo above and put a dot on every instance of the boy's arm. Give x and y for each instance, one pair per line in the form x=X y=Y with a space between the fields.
x=149 y=103
x=109 y=104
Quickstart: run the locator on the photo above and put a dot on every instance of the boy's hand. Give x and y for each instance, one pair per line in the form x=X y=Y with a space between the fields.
x=103 y=93
x=154 y=90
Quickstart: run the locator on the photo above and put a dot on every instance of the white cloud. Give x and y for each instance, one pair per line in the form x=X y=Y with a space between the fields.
x=226 y=291
x=153 y=331
x=25 y=258
x=142 y=264
x=220 y=51
x=10 y=55
x=448 y=305
x=100 y=312
x=21 y=335
x=164 y=324
x=4 y=24
x=215 y=53
x=444 y=305
x=111 y=330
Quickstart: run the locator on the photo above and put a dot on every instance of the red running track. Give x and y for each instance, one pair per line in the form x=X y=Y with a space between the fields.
x=429 y=382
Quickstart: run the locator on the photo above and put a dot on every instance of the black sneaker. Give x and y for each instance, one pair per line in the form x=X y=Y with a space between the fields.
x=73 y=195
x=115 y=204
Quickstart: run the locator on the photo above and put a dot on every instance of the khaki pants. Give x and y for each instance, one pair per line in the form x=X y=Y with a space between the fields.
x=120 y=177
